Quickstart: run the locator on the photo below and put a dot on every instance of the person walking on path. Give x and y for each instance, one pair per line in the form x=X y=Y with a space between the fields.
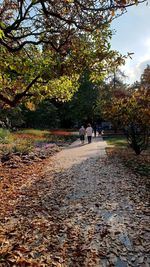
x=89 y=132
x=95 y=129
x=82 y=133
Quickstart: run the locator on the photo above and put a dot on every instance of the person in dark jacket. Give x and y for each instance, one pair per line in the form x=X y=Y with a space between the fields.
x=82 y=133
x=95 y=129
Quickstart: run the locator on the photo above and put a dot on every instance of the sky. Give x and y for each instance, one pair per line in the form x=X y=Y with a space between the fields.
x=132 y=34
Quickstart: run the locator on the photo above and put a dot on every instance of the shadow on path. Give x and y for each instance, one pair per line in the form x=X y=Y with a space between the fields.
x=82 y=212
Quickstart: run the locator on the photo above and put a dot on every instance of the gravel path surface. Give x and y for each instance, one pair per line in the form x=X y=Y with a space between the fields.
x=77 y=153
x=98 y=216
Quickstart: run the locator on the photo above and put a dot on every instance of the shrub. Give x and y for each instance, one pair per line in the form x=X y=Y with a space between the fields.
x=5 y=150
x=138 y=137
x=22 y=146
x=5 y=136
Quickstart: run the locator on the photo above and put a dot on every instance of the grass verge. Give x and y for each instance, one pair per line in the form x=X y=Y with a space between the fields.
x=118 y=148
x=26 y=140
x=116 y=141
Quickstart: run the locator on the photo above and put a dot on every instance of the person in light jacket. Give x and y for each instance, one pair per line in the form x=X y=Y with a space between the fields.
x=89 y=132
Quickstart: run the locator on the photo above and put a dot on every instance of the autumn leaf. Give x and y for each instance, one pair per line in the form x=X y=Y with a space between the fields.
x=113 y=13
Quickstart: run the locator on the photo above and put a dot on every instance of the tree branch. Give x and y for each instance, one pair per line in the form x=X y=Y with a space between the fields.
x=19 y=96
x=5 y=100
x=108 y=7
x=20 y=46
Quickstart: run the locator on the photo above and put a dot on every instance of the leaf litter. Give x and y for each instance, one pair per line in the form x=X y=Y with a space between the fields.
x=95 y=213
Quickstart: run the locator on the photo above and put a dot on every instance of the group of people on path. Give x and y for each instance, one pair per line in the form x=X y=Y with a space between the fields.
x=87 y=131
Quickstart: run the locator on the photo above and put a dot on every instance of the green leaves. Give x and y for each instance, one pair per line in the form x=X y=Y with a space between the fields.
x=63 y=88
x=32 y=75
x=2 y=35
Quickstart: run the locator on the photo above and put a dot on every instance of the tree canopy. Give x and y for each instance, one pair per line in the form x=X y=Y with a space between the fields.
x=55 y=22
x=129 y=109
x=45 y=46
x=34 y=73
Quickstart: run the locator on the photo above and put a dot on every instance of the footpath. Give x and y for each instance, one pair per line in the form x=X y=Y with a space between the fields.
x=85 y=210
x=96 y=210
x=76 y=153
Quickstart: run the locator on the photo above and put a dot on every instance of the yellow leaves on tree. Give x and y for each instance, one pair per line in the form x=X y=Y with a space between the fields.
x=130 y=108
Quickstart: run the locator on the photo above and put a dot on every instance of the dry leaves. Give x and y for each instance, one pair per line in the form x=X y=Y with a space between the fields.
x=94 y=214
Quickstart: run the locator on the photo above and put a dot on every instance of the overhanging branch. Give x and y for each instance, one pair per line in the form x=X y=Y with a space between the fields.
x=18 y=97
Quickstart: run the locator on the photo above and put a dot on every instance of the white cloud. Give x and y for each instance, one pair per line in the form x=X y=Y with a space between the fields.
x=142 y=65
x=133 y=35
x=135 y=67
x=134 y=72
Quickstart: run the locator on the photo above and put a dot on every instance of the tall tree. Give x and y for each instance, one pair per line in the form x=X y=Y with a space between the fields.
x=81 y=108
x=72 y=36
x=34 y=74
x=112 y=88
x=130 y=111
x=145 y=77
x=54 y=22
